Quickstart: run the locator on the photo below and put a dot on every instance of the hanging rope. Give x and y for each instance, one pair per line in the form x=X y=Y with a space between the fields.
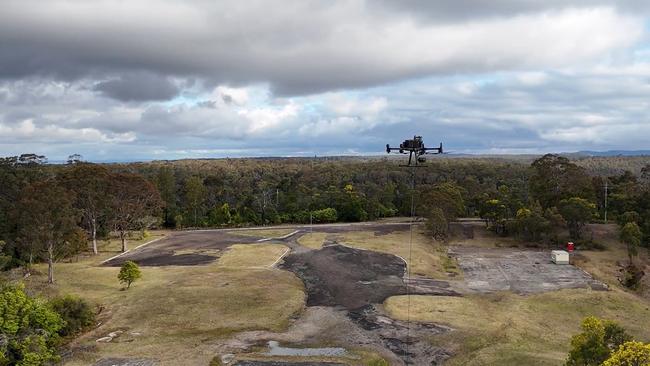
x=408 y=269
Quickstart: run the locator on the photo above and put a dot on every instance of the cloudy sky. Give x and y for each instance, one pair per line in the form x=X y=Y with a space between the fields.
x=154 y=79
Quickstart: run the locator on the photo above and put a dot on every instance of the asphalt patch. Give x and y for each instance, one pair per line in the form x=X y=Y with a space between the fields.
x=163 y=251
x=342 y=276
x=125 y=362
x=280 y=363
x=165 y=259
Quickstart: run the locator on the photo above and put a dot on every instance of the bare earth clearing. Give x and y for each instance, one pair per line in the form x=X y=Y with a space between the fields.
x=519 y=271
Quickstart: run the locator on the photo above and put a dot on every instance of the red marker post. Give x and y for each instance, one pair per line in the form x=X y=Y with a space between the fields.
x=570 y=247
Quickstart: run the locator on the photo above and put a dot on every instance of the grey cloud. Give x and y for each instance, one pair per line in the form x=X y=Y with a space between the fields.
x=138 y=87
x=201 y=121
x=298 y=47
x=454 y=10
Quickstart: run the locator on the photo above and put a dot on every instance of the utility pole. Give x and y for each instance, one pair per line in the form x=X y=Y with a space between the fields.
x=606 y=193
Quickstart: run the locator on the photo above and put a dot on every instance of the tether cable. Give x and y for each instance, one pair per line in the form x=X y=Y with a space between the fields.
x=408 y=269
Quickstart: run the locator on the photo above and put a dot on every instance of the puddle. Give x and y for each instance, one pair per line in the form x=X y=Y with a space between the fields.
x=276 y=350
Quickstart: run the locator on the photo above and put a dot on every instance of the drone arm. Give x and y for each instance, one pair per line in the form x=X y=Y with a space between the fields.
x=389 y=149
x=438 y=150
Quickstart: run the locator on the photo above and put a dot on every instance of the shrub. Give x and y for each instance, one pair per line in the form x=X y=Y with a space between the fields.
x=590 y=244
x=632 y=277
x=437 y=224
x=216 y=361
x=325 y=215
x=29 y=329
x=129 y=273
x=76 y=313
x=629 y=354
x=377 y=362
x=596 y=342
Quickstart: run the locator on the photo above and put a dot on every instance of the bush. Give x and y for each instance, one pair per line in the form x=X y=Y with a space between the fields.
x=596 y=342
x=630 y=353
x=589 y=244
x=377 y=362
x=76 y=313
x=437 y=224
x=28 y=330
x=325 y=215
x=5 y=262
x=632 y=277
x=129 y=273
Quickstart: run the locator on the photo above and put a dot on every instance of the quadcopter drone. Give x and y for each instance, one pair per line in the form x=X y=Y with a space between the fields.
x=415 y=148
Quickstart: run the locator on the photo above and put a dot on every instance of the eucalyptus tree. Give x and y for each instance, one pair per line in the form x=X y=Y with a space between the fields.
x=132 y=200
x=48 y=221
x=90 y=184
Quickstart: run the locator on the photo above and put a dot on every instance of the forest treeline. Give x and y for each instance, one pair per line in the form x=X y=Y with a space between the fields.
x=52 y=211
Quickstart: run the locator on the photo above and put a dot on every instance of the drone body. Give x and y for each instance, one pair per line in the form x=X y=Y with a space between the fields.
x=416 y=149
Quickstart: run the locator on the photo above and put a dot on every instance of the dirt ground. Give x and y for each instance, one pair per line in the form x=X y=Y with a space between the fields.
x=363 y=328
x=516 y=270
x=125 y=362
x=276 y=363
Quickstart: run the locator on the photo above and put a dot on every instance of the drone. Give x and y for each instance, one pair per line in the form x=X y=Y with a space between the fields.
x=415 y=148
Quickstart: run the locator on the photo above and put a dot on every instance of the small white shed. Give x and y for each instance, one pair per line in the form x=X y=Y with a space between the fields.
x=560 y=256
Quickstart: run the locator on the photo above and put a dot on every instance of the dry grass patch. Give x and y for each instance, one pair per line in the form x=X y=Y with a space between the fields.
x=604 y=265
x=509 y=329
x=312 y=240
x=252 y=255
x=428 y=256
x=179 y=311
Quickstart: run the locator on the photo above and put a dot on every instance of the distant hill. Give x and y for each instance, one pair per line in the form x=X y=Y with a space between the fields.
x=613 y=153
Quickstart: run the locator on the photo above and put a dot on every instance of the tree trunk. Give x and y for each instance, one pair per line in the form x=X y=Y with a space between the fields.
x=123 y=237
x=94 y=233
x=28 y=268
x=50 y=263
x=629 y=253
